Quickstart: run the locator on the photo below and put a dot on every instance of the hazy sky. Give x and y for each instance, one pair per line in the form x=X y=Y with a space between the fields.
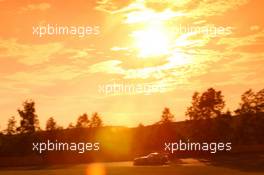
x=140 y=43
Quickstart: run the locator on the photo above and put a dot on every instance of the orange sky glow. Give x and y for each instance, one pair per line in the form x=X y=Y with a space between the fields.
x=139 y=43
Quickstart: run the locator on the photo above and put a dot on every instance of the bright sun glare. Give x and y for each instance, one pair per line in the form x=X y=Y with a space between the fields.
x=152 y=41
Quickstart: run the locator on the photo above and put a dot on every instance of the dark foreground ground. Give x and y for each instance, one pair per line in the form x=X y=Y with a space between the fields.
x=238 y=165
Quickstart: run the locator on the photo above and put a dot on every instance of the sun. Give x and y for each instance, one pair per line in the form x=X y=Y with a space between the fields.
x=152 y=41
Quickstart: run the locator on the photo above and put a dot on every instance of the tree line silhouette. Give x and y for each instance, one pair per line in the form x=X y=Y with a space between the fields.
x=206 y=121
x=29 y=122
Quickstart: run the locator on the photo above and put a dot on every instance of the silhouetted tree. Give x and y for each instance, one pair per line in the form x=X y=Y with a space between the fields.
x=165 y=131
x=248 y=104
x=223 y=127
x=96 y=121
x=260 y=101
x=252 y=102
x=11 y=126
x=51 y=124
x=70 y=126
x=193 y=111
x=83 y=121
x=166 y=116
x=29 y=120
x=207 y=105
x=228 y=113
x=250 y=124
x=140 y=125
x=139 y=139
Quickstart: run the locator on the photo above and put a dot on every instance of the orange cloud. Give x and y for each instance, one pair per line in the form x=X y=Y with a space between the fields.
x=40 y=6
x=29 y=54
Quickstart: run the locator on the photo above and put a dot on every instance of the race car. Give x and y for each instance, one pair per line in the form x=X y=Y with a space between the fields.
x=152 y=159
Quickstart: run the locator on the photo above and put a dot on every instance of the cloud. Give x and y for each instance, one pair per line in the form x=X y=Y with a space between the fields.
x=176 y=66
x=138 y=11
x=40 y=6
x=254 y=28
x=196 y=65
x=116 y=48
x=108 y=6
x=204 y=8
x=232 y=43
x=144 y=10
x=28 y=54
x=45 y=76
x=148 y=15
x=109 y=67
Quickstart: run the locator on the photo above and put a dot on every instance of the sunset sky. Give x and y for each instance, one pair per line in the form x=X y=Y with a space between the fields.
x=138 y=43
